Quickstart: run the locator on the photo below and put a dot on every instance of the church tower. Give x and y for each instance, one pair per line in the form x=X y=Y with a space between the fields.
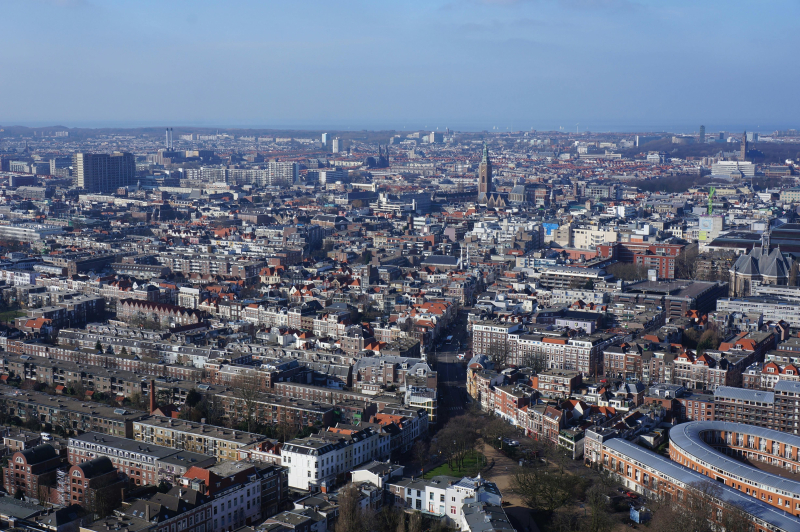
x=485 y=175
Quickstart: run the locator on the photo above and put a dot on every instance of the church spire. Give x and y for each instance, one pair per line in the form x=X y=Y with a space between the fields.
x=485 y=153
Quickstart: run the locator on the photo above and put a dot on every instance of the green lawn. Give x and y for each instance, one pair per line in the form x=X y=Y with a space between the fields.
x=473 y=463
x=9 y=315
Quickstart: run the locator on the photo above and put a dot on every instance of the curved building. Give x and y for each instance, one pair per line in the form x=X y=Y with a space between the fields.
x=720 y=450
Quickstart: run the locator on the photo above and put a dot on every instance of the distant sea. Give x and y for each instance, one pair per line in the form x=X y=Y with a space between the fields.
x=573 y=126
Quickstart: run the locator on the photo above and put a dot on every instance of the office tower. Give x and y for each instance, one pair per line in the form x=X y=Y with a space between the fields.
x=702 y=134
x=338 y=145
x=485 y=174
x=101 y=172
x=324 y=139
x=743 y=154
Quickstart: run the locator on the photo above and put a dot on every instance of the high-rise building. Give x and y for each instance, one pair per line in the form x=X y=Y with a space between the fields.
x=324 y=139
x=101 y=172
x=743 y=154
x=485 y=175
x=702 y=138
x=338 y=145
x=283 y=173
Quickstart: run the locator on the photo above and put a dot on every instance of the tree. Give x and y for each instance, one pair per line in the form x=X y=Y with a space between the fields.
x=19 y=494
x=247 y=389
x=542 y=489
x=164 y=486
x=98 y=347
x=349 y=510
x=123 y=352
x=498 y=353
x=708 y=340
x=598 y=519
x=100 y=502
x=415 y=522
x=193 y=398
x=535 y=361
x=43 y=493
x=421 y=453
x=686 y=263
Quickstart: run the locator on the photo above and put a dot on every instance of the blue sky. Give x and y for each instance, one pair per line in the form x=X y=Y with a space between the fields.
x=463 y=64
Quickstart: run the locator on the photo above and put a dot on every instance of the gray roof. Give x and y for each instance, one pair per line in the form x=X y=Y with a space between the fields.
x=445 y=260
x=730 y=392
x=683 y=475
x=688 y=438
x=787 y=386
x=11 y=507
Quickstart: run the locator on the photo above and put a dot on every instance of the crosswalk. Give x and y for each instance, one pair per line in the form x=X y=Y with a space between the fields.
x=456 y=408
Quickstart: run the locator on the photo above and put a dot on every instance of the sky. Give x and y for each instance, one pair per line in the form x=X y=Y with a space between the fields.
x=600 y=65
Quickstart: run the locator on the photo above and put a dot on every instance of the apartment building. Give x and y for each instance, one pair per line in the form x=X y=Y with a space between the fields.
x=70 y=414
x=739 y=405
x=221 y=443
x=29 y=469
x=320 y=461
x=557 y=383
x=141 y=463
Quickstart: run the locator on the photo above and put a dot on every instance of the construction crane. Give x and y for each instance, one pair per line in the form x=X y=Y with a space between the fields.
x=711 y=200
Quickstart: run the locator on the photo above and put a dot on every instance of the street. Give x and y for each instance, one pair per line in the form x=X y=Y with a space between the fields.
x=453 y=396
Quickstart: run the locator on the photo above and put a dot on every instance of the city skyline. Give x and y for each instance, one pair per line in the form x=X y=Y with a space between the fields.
x=469 y=65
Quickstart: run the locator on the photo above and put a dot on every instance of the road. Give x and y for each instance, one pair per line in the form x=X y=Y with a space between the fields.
x=453 y=396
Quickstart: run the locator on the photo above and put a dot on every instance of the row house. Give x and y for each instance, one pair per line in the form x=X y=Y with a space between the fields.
x=711 y=369
x=764 y=375
x=320 y=461
x=405 y=426
x=333 y=324
x=277 y=410
x=141 y=463
x=163 y=314
x=557 y=383
x=509 y=402
x=389 y=370
x=62 y=375
x=223 y=444
x=69 y=414
x=581 y=353
x=234 y=489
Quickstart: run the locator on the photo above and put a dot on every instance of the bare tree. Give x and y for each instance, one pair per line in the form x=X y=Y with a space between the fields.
x=598 y=519
x=349 y=510
x=415 y=522
x=498 y=353
x=247 y=389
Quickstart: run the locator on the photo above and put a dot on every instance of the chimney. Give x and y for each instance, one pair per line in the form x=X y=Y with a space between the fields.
x=152 y=395
x=146 y=512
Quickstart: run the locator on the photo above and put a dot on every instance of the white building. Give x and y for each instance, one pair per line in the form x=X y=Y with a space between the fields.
x=734 y=168
x=316 y=461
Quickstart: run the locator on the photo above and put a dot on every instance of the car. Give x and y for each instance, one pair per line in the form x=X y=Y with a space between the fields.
x=631 y=495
